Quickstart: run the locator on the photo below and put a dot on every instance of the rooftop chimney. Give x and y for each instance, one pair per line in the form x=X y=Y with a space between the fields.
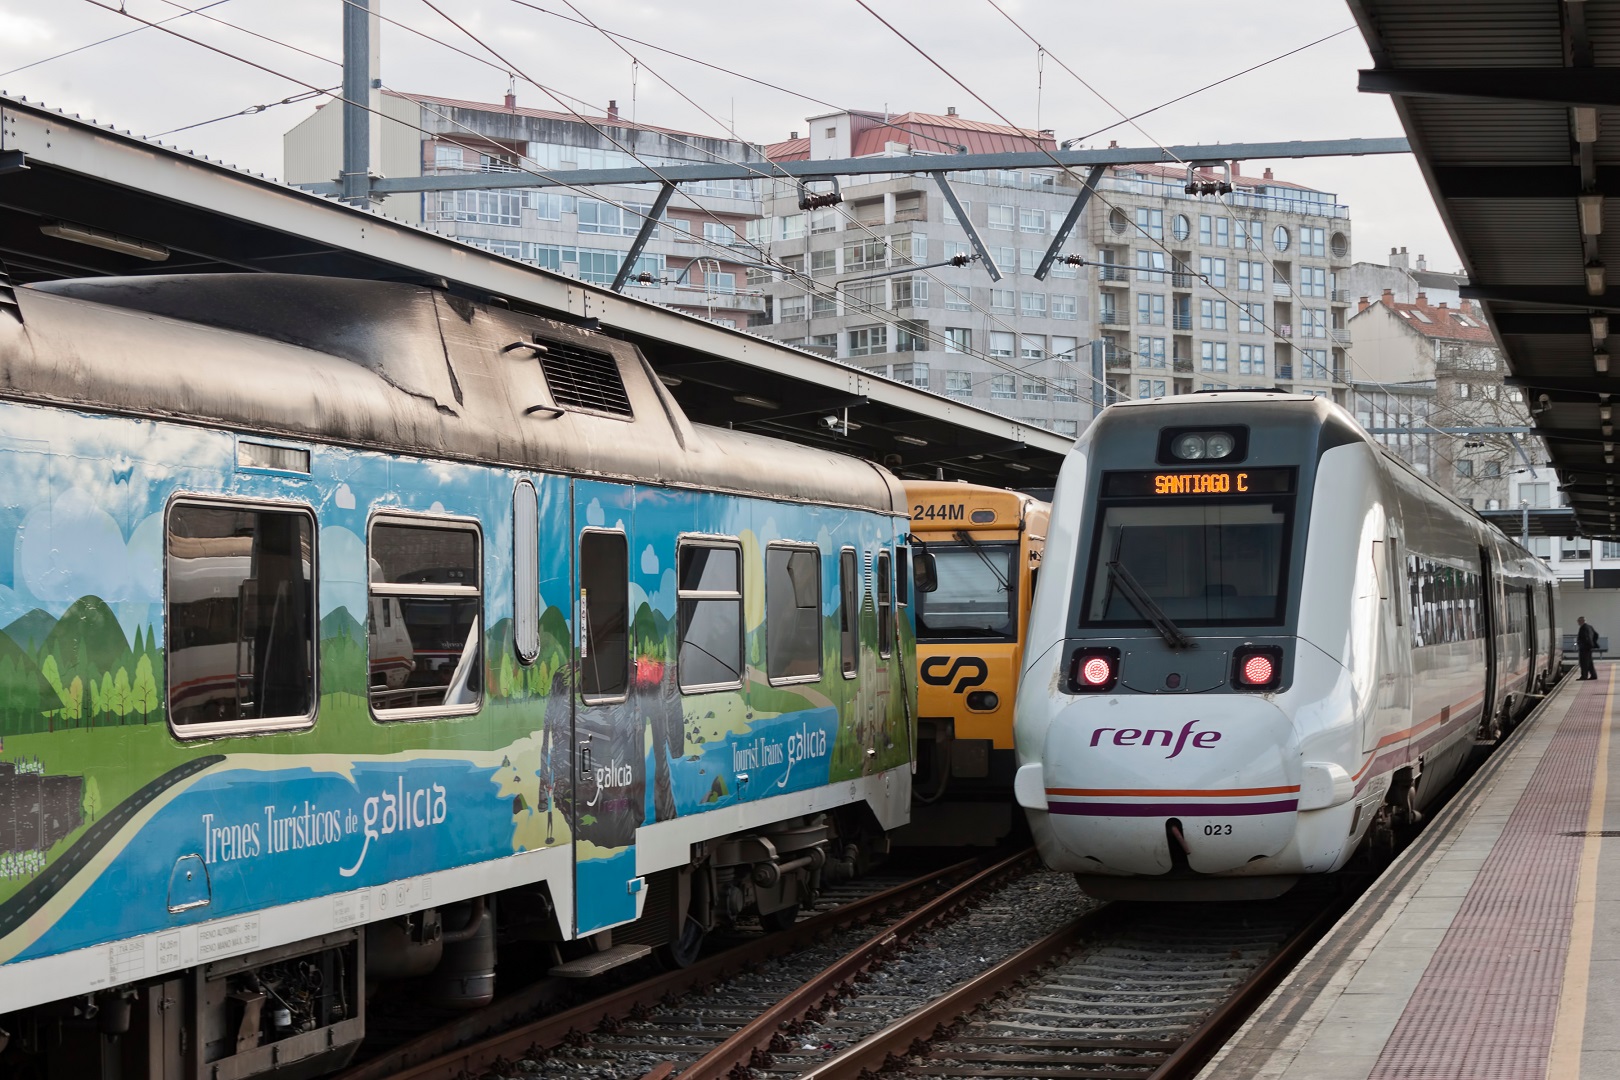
x=1423 y=262
x=793 y=134
x=950 y=110
x=1465 y=306
x=1113 y=144
x=613 y=110
x=1422 y=299
x=1363 y=305
x=1399 y=259
x=1389 y=297
x=511 y=100
x=1267 y=175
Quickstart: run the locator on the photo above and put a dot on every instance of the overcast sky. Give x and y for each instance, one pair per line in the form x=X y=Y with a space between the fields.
x=1136 y=55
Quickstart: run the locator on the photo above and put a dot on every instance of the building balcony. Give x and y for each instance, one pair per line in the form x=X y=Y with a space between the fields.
x=1113 y=318
x=1282 y=288
x=1181 y=322
x=1285 y=330
x=1182 y=365
x=1285 y=372
x=1339 y=335
x=1181 y=281
x=1110 y=272
x=1340 y=296
x=1117 y=361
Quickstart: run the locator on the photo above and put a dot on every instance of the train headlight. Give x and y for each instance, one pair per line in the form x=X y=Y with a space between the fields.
x=1257 y=669
x=1093 y=671
x=1203 y=445
x=1190 y=447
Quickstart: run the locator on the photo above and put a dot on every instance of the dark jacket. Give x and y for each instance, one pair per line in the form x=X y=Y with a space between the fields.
x=1586 y=639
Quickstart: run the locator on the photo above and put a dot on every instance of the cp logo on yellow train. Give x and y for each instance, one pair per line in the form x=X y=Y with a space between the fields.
x=977 y=671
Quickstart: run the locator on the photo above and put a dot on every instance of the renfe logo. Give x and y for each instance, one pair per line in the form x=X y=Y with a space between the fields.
x=1136 y=737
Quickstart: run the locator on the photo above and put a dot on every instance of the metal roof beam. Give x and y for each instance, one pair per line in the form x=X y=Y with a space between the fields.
x=1535 y=322
x=1570 y=296
x=1521 y=181
x=877 y=166
x=1554 y=86
x=648 y=225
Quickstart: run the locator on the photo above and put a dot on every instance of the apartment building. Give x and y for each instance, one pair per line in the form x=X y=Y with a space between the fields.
x=1197 y=292
x=694 y=260
x=1168 y=292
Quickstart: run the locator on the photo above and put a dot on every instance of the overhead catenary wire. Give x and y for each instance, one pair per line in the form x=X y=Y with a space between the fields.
x=837 y=292
x=105 y=40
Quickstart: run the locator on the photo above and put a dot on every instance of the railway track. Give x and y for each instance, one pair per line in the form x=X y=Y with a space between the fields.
x=527 y=1024
x=1125 y=991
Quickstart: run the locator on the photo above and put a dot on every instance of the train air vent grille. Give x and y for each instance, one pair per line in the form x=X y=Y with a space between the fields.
x=8 y=298
x=584 y=379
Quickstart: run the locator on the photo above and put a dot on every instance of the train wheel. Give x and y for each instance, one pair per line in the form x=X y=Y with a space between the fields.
x=780 y=919
x=684 y=950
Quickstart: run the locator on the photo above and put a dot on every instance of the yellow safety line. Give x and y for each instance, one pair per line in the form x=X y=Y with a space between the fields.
x=1564 y=1060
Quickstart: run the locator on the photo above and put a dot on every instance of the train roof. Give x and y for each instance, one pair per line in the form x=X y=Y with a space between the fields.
x=395 y=367
x=1010 y=507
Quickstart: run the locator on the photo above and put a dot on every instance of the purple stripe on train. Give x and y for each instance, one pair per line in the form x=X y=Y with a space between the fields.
x=1095 y=809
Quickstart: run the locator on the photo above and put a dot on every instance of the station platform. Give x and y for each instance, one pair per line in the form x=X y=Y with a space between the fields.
x=1490 y=949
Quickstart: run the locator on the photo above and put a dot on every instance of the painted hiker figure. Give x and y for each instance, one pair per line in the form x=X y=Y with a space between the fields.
x=1586 y=639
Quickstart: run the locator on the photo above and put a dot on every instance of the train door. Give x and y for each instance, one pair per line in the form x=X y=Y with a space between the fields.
x=1532 y=631
x=606 y=745
x=1493 y=630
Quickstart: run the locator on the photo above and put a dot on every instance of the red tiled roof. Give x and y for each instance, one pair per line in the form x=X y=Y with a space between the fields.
x=928 y=133
x=1239 y=180
x=788 y=150
x=1442 y=322
x=547 y=114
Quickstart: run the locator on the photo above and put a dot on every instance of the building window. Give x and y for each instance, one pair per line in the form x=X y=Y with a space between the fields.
x=1001 y=216
x=1032 y=347
x=1031 y=220
x=1001 y=344
x=709 y=601
x=911 y=337
x=1279 y=238
x=1033 y=304
x=1150 y=309
x=1065 y=307
x=865 y=255
x=823 y=263
x=1071 y=428
x=1212 y=314
x=1034 y=388
x=868 y=340
x=1003 y=300
x=1465 y=467
x=791 y=309
x=240 y=624
x=716 y=232
x=1180 y=227
x=1065 y=389
x=908 y=292
x=957 y=298
x=1251 y=359
x=914 y=374
x=822 y=307
x=1538 y=496
x=1063 y=348
x=1150 y=388
x=959 y=384
x=958 y=339
x=1150 y=222
x=1214 y=356
x=482 y=207
x=1151 y=350
x=1004 y=386
x=1150 y=266
x=425 y=578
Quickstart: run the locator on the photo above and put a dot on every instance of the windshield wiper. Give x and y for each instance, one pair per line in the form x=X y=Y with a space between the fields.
x=977 y=549
x=1148 y=607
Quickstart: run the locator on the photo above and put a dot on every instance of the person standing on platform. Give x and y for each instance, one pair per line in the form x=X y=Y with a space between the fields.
x=1586 y=639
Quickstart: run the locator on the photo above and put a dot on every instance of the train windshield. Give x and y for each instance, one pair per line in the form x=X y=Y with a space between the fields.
x=1204 y=563
x=977 y=595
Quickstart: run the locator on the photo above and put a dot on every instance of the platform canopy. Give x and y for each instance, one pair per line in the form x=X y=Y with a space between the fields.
x=1512 y=108
x=78 y=199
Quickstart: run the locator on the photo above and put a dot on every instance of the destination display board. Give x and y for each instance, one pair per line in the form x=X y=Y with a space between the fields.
x=1152 y=483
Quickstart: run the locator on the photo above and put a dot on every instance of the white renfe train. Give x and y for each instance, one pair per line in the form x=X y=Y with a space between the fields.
x=1258 y=639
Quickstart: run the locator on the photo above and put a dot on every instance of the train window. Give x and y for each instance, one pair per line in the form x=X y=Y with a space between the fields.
x=885 y=604
x=604 y=615
x=709 y=594
x=849 y=611
x=426 y=600
x=902 y=575
x=1204 y=563
x=240 y=616
x=525 y=571
x=975 y=597
x=792 y=613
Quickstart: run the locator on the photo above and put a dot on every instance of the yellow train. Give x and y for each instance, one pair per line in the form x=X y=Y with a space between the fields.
x=987 y=544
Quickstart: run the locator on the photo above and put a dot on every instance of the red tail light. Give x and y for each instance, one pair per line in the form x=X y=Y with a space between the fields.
x=1257 y=668
x=1093 y=671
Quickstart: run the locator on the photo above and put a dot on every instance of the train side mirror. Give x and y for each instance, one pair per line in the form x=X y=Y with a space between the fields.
x=924 y=571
